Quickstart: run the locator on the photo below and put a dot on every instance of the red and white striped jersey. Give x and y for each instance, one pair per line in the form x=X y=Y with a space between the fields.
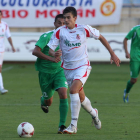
x=73 y=44
x=4 y=31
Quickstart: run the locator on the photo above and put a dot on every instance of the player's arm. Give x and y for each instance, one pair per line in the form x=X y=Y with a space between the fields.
x=58 y=53
x=128 y=36
x=113 y=56
x=94 y=33
x=53 y=43
x=8 y=35
x=37 y=52
x=11 y=43
x=127 y=55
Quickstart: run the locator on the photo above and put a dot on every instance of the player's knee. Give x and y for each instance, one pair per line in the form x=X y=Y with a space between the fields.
x=63 y=95
x=73 y=91
x=48 y=102
x=133 y=81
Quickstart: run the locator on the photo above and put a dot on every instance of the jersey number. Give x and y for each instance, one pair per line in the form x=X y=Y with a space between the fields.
x=45 y=94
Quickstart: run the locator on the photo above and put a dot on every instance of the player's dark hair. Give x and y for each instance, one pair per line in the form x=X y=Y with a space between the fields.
x=0 y=11
x=71 y=10
x=58 y=16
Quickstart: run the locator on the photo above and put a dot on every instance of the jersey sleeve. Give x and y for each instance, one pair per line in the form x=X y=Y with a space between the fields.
x=92 y=32
x=130 y=34
x=43 y=40
x=54 y=41
x=7 y=31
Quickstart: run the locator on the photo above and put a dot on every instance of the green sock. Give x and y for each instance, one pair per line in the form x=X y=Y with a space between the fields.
x=63 y=108
x=42 y=101
x=129 y=86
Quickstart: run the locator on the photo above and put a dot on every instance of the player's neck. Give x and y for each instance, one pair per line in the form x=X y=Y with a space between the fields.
x=73 y=26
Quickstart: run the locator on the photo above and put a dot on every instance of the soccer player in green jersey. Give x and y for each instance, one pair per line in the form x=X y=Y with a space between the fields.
x=51 y=75
x=134 y=56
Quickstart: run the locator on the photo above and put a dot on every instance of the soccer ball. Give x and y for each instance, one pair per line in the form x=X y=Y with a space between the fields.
x=25 y=129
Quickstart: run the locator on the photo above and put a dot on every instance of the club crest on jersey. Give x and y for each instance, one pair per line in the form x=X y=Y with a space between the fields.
x=2 y=30
x=78 y=36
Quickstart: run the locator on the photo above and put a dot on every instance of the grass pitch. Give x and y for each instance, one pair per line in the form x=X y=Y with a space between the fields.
x=104 y=87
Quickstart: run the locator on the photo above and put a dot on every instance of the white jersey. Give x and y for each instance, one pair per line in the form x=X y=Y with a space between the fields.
x=4 y=31
x=73 y=44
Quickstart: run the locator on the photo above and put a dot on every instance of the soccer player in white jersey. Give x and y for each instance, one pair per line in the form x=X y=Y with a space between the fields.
x=4 y=31
x=72 y=40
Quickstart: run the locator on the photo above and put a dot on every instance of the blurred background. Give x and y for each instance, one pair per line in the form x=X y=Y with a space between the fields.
x=28 y=19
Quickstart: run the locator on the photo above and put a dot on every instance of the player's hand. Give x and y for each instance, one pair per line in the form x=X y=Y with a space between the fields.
x=56 y=59
x=127 y=55
x=13 y=49
x=115 y=59
x=58 y=53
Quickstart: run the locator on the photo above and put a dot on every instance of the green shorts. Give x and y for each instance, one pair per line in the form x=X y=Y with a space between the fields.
x=51 y=82
x=134 y=69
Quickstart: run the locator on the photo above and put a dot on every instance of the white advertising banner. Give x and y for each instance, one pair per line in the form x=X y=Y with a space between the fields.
x=41 y=13
x=24 y=43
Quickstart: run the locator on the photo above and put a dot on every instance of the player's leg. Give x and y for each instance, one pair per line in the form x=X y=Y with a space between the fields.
x=47 y=91
x=86 y=104
x=74 y=81
x=60 y=85
x=75 y=106
x=134 y=71
x=63 y=109
x=3 y=91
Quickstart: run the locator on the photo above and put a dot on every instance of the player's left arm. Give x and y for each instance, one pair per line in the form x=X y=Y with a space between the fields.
x=108 y=47
x=8 y=35
x=11 y=43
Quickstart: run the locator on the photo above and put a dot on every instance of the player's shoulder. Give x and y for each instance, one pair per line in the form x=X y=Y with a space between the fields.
x=84 y=26
x=80 y=25
x=3 y=22
x=135 y=27
x=60 y=28
x=47 y=33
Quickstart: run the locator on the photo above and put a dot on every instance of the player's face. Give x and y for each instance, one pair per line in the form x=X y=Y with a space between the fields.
x=69 y=20
x=59 y=22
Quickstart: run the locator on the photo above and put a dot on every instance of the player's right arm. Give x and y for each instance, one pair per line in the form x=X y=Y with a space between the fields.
x=54 y=41
x=37 y=52
x=39 y=46
x=56 y=54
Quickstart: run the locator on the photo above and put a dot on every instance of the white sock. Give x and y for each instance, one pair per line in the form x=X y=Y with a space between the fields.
x=86 y=104
x=75 y=108
x=1 y=82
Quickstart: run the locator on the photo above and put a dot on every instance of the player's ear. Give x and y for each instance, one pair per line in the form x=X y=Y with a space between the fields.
x=75 y=18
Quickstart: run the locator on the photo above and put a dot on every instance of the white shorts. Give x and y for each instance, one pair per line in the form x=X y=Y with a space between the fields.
x=1 y=58
x=81 y=74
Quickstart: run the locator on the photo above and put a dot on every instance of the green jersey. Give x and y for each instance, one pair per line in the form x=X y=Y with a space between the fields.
x=42 y=65
x=134 y=35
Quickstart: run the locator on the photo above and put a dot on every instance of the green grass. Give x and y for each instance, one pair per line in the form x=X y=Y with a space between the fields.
x=104 y=88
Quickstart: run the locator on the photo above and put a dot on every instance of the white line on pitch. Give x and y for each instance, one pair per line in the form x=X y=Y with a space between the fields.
x=8 y=68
